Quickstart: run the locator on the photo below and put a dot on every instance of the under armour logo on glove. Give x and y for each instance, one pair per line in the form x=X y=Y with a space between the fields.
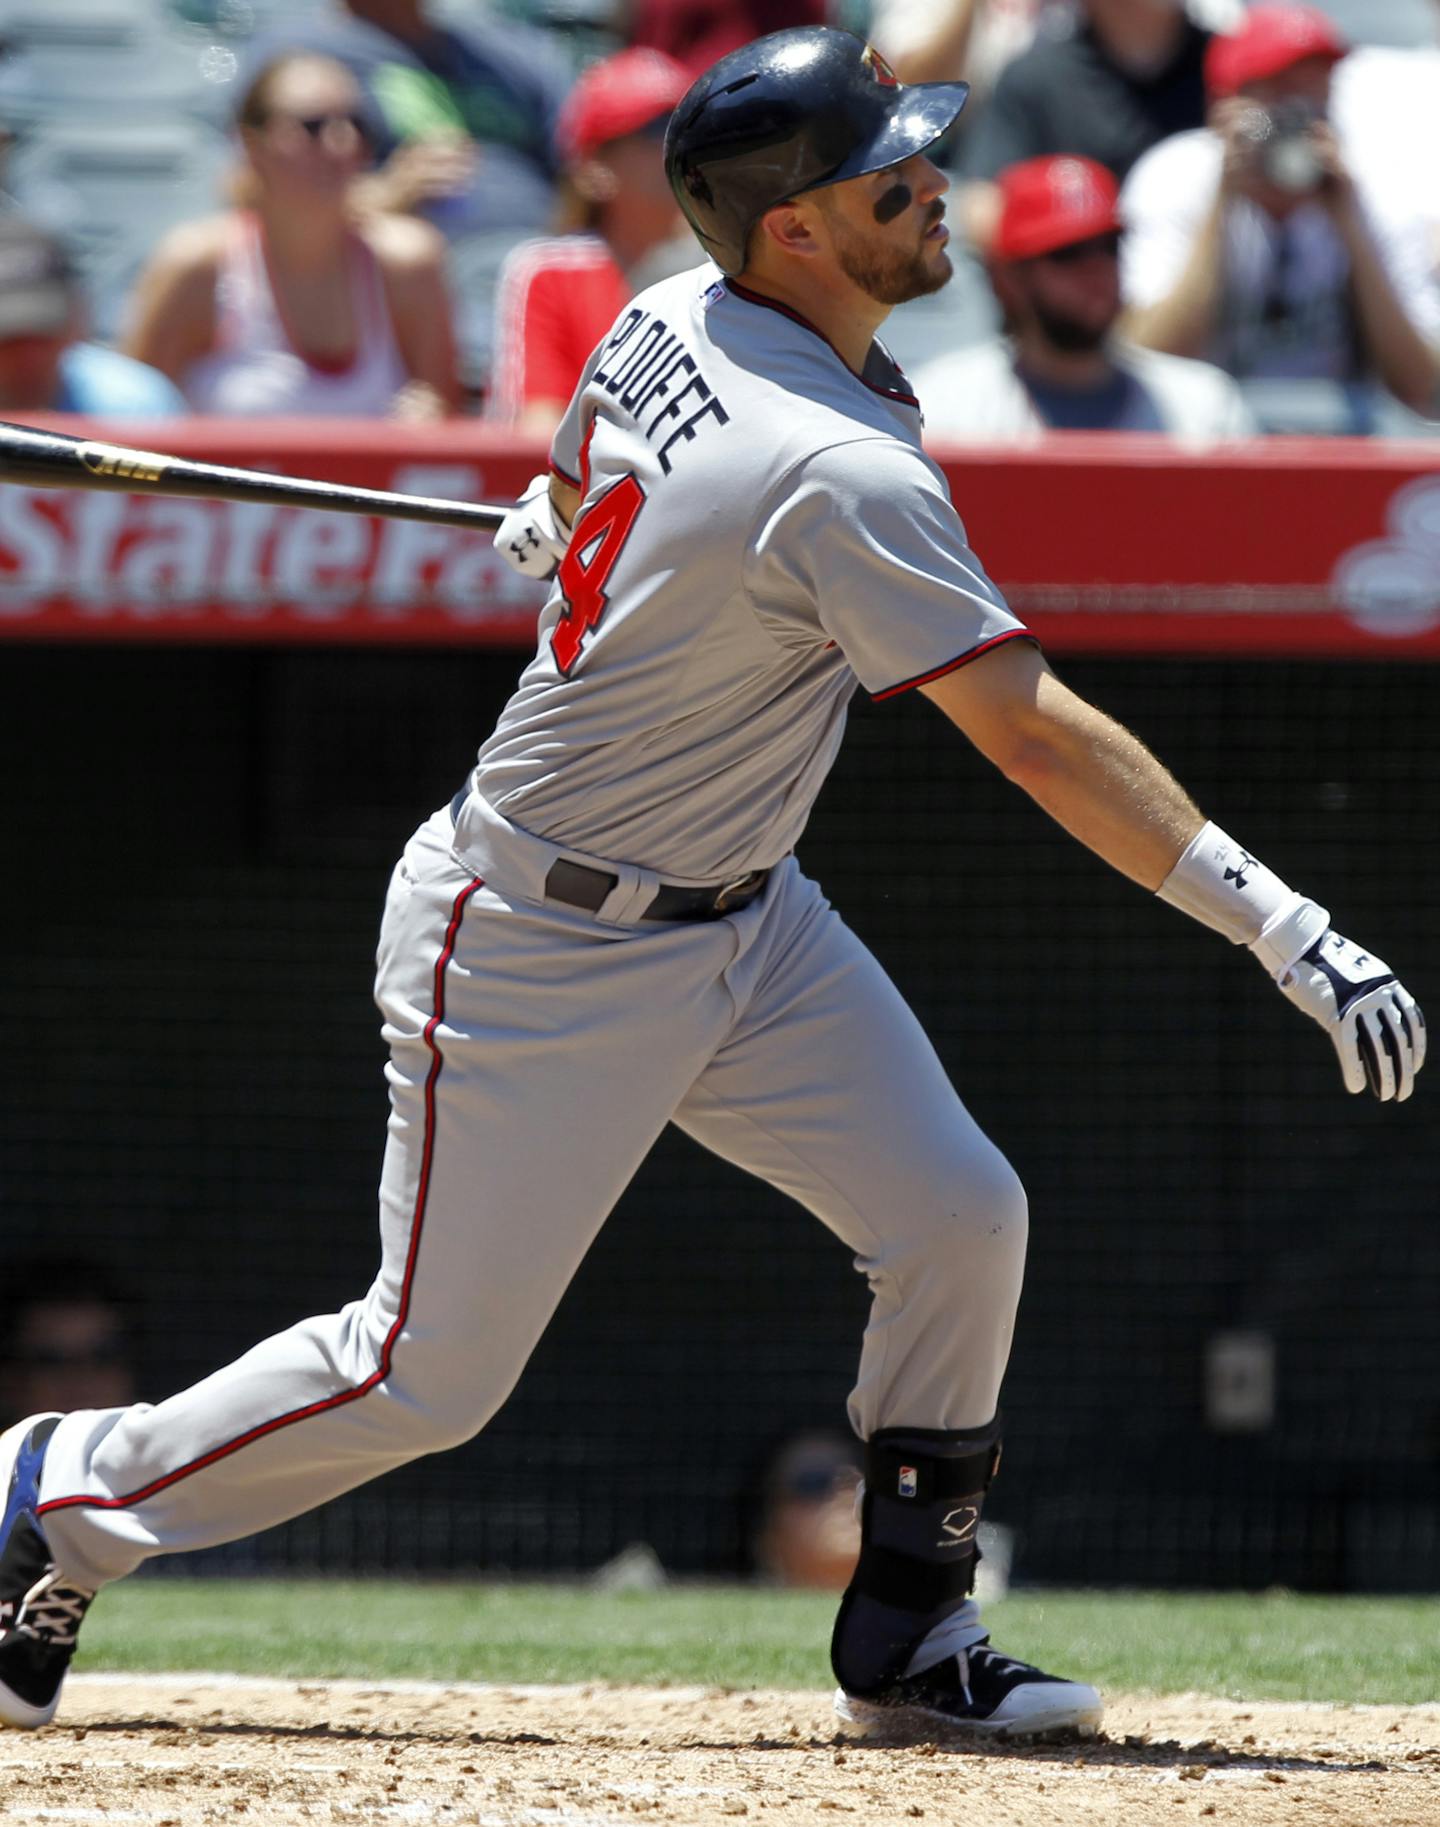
x=532 y=538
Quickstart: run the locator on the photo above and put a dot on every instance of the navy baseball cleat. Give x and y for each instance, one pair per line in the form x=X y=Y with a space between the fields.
x=978 y=1693
x=40 y=1612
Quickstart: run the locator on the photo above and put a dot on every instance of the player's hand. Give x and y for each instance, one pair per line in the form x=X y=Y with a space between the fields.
x=1374 y=1021
x=532 y=537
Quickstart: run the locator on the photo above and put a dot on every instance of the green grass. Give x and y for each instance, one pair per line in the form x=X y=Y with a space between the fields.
x=1271 y=1646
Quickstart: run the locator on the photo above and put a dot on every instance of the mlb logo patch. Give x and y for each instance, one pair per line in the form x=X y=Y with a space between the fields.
x=909 y=1481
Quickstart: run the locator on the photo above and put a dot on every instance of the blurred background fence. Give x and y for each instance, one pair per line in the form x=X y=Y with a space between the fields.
x=1228 y=1362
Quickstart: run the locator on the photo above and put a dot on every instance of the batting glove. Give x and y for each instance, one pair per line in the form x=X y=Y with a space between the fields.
x=1374 y=1021
x=532 y=537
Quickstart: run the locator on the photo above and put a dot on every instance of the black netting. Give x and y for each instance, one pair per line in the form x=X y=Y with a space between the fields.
x=197 y=844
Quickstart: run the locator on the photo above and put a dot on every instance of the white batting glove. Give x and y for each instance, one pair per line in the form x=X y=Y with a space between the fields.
x=1374 y=1021
x=532 y=537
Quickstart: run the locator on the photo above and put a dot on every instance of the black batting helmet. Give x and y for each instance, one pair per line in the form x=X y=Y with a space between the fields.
x=787 y=113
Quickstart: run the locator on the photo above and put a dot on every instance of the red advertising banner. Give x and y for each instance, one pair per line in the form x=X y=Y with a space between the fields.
x=1103 y=544
x=77 y=564
x=1287 y=545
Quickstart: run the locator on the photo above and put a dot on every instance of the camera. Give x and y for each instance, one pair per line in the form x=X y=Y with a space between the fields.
x=1281 y=148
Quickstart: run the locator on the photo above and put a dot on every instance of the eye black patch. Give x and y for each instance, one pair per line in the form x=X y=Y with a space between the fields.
x=895 y=202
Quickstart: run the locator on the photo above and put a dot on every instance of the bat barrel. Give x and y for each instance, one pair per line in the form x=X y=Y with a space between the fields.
x=41 y=457
x=46 y=459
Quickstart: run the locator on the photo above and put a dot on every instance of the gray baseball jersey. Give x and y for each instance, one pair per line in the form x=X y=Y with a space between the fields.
x=760 y=528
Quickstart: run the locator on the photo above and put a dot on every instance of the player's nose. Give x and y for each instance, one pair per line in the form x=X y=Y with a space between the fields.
x=926 y=178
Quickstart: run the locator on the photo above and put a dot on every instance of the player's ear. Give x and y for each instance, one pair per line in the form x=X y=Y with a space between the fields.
x=791 y=228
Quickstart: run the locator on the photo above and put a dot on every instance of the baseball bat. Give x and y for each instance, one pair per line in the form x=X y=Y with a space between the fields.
x=49 y=459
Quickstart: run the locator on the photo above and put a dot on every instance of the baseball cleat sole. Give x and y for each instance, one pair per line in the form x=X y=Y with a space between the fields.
x=1053 y=1720
x=16 y=1715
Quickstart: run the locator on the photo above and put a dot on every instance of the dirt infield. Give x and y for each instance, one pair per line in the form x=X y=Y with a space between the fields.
x=176 y=1750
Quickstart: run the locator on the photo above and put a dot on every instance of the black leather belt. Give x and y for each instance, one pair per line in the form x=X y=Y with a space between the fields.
x=578 y=885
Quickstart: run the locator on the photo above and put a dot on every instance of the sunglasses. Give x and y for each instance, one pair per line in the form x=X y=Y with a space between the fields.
x=1109 y=245
x=314 y=125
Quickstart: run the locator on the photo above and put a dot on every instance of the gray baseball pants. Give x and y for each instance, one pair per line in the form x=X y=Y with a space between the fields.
x=536 y=1052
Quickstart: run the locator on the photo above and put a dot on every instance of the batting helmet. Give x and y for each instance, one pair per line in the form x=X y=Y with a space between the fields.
x=788 y=113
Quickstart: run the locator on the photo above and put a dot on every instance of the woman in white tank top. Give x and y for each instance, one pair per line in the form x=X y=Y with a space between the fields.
x=288 y=306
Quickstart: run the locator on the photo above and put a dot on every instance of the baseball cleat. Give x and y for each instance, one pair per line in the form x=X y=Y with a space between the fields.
x=40 y=1611
x=978 y=1693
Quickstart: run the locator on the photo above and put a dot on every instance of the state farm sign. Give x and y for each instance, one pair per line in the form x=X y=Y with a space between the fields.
x=136 y=563
x=1103 y=543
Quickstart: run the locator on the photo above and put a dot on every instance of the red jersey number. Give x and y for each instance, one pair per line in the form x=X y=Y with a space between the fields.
x=600 y=533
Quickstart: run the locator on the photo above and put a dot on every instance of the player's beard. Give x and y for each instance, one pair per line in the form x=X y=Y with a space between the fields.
x=890 y=275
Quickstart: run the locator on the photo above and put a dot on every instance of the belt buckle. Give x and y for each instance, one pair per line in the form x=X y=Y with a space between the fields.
x=722 y=898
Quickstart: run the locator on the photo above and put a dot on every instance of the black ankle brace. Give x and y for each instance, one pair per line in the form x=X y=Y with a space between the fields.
x=924 y=1491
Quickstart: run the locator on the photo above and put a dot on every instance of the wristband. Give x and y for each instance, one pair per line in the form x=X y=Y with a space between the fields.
x=1225 y=888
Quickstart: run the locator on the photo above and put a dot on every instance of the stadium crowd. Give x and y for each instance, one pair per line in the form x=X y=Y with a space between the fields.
x=1193 y=217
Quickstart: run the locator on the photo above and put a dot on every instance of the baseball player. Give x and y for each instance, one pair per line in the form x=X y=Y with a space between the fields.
x=608 y=930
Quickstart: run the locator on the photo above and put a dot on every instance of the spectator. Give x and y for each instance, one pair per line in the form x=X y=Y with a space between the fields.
x=1106 y=83
x=808 y=1533
x=462 y=118
x=557 y=297
x=284 y=305
x=697 y=32
x=67 y=1341
x=44 y=366
x=1249 y=240
x=1055 y=267
x=947 y=40
x=1385 y=104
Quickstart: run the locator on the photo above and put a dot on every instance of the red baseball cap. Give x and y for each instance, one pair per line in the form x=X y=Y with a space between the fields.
x=1269 y=39
x=1053 y=202
x=619 y=95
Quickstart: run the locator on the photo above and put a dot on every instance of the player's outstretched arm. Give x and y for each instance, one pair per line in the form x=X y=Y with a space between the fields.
x=1105 y=787
x=1090 y=774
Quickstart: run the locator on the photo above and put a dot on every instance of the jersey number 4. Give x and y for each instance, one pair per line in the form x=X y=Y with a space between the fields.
x=599 y=537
